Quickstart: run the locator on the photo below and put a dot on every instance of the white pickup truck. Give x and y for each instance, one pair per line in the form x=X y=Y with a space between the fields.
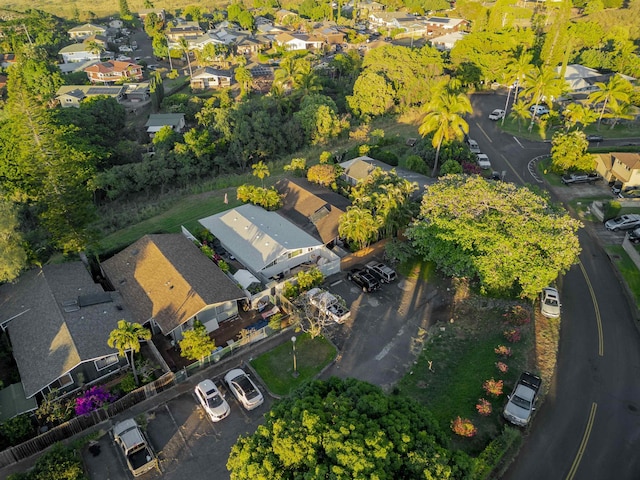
x=521 y=404
x=135 y=448
x=328 y=304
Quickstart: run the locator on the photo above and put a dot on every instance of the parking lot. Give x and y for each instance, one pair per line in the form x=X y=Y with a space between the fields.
x=184 y=438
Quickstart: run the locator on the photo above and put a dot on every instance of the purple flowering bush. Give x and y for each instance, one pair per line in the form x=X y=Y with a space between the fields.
x=93 y=399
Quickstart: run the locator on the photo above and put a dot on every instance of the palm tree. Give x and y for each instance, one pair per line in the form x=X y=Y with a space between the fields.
x=126 y=338
x=358 y=226
x=616 y=90
x=244 y=78
x=95 y=47
x=520 y=111
x=541 y=86
x=444 y=119
x=186 y=48
x=306 y=79
x=517 y=69
x=578 y=114
x=260 y=170
x=620 y=111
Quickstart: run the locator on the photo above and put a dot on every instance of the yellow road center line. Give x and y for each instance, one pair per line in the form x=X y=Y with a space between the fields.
x=596 y=309
x=583 y=444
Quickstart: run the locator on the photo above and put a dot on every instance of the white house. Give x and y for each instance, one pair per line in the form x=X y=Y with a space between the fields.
x=207 y=77
x=83 y=31
x=268 y=245
x=78 y=53
x=298 y=41
x=447 y=41
x=581 y=79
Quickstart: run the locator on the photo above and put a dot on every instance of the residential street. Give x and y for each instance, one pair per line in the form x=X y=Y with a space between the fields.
x=588 y=426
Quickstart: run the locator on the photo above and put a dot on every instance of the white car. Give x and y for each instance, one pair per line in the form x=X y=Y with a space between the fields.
x=244 y=389
x=473 y=145
x=497 y=114
x=211 y=400
x=483 y=161
x=550 y=303
x=125 y=48
x=538 y=110
x=623 y=222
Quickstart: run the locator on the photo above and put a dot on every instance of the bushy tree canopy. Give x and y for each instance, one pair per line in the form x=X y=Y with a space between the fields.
x=346 y=429
x=569 y=152
x=512 y=239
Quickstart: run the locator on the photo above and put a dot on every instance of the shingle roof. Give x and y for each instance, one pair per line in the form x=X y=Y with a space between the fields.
x=255 y=236
x=629 y=159
x=315 y=209
x=164 y=119
x=48 y=339
x=166 y=277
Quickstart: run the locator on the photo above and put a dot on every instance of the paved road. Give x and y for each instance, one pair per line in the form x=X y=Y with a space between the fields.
x=589 y=425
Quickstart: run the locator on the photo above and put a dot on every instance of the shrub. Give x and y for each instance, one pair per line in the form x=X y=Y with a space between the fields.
x=224 y=266
x=451 y=166
x=386 y=156
x=309 y=279
x=54 y=410
x=490 y=457
x=17 y=429
x=484 y=407
x=612 y=209
x=93 y=399
x=503 y=367
x=463 y=427
x=512 y=335
x=128 y=383
x=58 y=463
x=416 y=164
x=518 y=316
x=275 y=322
x=493 y=387
x=290 y=290
x=470 y=168
x=502 y=351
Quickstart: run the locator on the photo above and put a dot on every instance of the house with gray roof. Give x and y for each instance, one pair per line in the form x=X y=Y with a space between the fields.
x=267 y=244
x=158 y=120
x=59 y=320
x=78 y=52
x=73 y=95
x=360 y=168
x=167 y=282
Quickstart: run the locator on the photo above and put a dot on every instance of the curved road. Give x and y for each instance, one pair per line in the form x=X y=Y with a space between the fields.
x=589 y=424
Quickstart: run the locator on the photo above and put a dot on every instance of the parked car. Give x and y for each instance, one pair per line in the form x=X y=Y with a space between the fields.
x=383 y=272
x=125 y=48
x=497 y=114
x=521 y=403
x=328 y=305
x=134 y=446
x=538 y=110
x=550 y=303
x=483 y=161
x=623 y=222
x=211 y=400
x=363 y=279
x=244 y=389
x=634 y=235
x=595 y=138
x=572 y=178
x=473 y=145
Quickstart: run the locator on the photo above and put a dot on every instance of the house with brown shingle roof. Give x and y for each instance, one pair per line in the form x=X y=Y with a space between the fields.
x=620 y=167
x=113 y=71
x=59 y=320
x=313 y=208
x=167 y=282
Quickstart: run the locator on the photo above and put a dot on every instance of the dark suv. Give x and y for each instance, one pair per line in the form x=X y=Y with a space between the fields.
x=363 y=279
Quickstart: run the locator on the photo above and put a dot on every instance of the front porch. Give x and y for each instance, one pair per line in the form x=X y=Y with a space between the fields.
x=228 y=331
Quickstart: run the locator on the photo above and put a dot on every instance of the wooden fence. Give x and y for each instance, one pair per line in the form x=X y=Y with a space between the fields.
x=78 y=424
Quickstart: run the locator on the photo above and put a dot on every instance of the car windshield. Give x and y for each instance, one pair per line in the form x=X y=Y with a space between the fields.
x=552 y=302
x=213 y=399
x=520 y=402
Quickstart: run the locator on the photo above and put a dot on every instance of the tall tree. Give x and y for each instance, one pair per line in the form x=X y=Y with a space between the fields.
x=569 y=153
x=13 y=258
x=125 y=12
x=444 y=119
x=541 y=86
x=512 y=240
x=616 y=90
x=346 y=429
x=126 y=338
x=244 y=78
x=577 y=114
x=186 y=48
x=358 y=226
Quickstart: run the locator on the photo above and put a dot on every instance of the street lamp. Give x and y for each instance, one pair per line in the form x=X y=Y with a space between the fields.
x=295 y=365
x=506 y=105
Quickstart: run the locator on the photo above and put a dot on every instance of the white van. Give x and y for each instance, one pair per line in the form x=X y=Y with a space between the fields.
x=473 y=145
x=539 y=110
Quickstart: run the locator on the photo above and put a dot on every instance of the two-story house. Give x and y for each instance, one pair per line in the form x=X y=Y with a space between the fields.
x=114 y=71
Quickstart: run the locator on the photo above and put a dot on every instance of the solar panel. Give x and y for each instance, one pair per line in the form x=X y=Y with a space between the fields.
x=103 y=91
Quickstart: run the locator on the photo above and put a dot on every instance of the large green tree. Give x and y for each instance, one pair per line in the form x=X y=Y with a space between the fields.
x=13 y=258
x=196 y=344
x=569 y=152
x=616 y=91
x=346 y=429
x=511 y=239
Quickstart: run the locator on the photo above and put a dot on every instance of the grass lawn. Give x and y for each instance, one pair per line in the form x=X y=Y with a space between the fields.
x=453 y=366
x=419 y=269
x=627 y=268
x=276 y=367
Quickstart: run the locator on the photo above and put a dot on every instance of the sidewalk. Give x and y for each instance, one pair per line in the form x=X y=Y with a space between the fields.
x=241 y=356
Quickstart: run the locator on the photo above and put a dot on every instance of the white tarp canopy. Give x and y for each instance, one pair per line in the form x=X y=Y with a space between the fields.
x=245 y=278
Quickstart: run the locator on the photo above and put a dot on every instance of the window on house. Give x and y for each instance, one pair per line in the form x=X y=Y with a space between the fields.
x=295 y=253
x=106 y=362
x=62 y=382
